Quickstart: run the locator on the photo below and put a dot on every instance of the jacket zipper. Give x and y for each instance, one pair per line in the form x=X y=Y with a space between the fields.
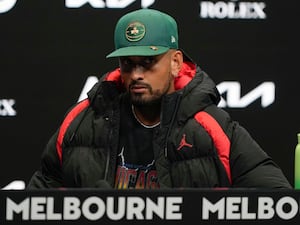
x=171 y=125
x=108 y=152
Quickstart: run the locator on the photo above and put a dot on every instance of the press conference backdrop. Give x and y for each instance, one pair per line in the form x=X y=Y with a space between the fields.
x=52 y=52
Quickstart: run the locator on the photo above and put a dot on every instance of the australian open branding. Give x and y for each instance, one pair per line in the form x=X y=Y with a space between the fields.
x=239 y=208
x=176 y=207
x=94 y=208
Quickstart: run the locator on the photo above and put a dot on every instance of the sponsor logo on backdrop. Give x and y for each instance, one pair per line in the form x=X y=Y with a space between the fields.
x=15 y=185
x=6 y=5
x=7 y=107
x=230 y=91
x=232 y=10
x=232 y=98
x=106 y=4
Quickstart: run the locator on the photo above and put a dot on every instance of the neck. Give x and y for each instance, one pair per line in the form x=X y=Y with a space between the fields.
x=147 y=115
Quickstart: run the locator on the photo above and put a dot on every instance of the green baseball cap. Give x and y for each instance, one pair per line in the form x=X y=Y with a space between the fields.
x=144 y=32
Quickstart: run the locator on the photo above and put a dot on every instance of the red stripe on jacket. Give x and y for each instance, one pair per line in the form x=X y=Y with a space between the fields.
x=219 y=138
x=66 y=123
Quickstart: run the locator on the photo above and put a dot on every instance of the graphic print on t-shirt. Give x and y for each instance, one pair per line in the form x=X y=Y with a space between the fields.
x=135 y=176
x=135 y=162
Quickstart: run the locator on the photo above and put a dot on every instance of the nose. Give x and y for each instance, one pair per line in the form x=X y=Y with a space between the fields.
x=137 y=72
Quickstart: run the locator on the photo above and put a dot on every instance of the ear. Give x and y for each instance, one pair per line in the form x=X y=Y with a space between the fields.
x=176 y=62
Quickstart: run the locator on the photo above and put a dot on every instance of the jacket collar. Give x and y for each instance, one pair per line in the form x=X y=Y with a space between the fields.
x=194 y=91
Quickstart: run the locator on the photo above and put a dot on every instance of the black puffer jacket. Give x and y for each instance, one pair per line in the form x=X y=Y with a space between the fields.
x=197 y=145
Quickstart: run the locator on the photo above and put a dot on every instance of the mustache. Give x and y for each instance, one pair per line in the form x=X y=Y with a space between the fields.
x=139 y=83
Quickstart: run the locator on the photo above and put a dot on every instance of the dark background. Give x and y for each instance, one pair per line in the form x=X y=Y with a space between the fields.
x=48 y=51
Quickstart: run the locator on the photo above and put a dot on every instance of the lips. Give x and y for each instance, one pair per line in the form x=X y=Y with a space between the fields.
x=137 y=88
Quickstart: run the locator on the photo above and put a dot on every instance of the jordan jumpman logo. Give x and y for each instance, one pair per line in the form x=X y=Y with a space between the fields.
x=183 y=143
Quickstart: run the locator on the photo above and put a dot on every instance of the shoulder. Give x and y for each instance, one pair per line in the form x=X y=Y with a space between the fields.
x=74 y=113
x=219 y=115
x=72 y=119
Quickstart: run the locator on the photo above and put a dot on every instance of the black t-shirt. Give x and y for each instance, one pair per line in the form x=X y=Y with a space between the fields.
x=136 y=167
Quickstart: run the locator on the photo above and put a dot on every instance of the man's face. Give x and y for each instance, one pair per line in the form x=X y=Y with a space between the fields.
x=147 y=78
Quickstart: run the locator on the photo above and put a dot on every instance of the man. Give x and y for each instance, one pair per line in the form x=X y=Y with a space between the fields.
x=153 y=123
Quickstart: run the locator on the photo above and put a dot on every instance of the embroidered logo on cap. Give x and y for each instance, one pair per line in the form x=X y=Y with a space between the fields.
x=135 y=31
x=173 y=39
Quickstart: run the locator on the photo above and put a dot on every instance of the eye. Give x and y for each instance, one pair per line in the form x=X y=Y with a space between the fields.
x=125 y=64
x=125 y=61
x=148 y=61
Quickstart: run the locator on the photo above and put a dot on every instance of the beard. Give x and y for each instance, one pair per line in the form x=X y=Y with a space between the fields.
x=153 y=99
x=139 y=101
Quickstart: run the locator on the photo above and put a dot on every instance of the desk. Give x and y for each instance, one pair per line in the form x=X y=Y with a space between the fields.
x=174 y=206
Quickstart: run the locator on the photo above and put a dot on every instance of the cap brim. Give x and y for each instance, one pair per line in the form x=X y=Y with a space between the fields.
x=138 y=51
